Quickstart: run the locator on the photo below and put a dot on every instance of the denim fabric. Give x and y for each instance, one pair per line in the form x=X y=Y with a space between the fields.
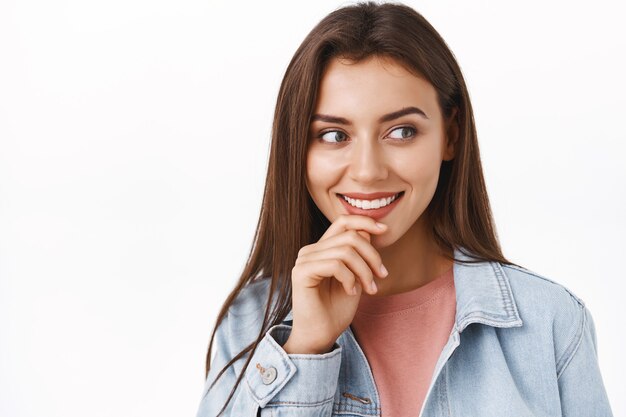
x=522 y=345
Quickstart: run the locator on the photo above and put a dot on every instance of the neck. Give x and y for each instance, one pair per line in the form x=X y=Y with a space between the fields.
x=412 y=261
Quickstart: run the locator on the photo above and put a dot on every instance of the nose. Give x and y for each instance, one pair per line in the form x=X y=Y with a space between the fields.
x=367 y=161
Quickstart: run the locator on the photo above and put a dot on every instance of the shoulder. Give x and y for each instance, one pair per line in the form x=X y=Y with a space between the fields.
x=252 y=298
x=244 y=319
x=527 y=283
x=548 y=309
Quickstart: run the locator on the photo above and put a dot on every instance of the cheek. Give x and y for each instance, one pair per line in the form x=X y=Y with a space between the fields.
x=321 y=173
x=421 y=169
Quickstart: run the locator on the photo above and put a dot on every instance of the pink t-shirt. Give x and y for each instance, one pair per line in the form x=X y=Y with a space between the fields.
x=402 y=336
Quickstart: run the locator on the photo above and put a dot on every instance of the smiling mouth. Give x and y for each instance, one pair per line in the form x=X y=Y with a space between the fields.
x=373 y=204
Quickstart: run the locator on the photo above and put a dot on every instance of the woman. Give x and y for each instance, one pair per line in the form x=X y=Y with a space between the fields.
x=376 y=284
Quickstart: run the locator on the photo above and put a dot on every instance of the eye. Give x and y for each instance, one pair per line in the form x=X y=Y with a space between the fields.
x=406 y=132
x=333 y=136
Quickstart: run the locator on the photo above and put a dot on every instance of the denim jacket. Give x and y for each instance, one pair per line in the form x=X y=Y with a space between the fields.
x=521 y=345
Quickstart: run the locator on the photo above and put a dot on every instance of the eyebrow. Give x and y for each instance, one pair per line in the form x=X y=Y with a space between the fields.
x=385 y=118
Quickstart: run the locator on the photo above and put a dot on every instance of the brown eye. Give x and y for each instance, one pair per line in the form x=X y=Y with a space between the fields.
x=333 y=136
x=406 y=132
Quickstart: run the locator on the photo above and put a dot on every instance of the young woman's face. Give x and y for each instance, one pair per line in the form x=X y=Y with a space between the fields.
x=376 y=128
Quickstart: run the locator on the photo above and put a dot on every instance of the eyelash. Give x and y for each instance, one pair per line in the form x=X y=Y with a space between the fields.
x=415 y=132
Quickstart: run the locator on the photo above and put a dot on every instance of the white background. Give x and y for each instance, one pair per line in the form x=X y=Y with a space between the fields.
x=134 y=137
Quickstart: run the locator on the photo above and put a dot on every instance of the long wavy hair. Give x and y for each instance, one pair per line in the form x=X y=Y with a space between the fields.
x=459 y=213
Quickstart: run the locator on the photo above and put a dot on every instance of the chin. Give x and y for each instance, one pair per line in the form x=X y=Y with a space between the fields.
x=382 y=241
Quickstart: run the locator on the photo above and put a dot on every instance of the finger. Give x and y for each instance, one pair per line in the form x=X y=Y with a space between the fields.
x=323 y=243
x=354 y=222
x=314 y=272
x=359 y=240
x=372 y=257
x=365 y=235
x=351 y=258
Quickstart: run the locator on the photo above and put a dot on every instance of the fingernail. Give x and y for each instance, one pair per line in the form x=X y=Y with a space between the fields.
x=381 y=225
x=383 y=270
x=353 y=292
x=374 y=287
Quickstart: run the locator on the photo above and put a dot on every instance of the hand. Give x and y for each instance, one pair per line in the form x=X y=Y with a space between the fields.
x=327 y=281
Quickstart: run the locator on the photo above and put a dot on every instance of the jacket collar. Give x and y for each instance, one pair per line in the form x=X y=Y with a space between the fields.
x=483 y=294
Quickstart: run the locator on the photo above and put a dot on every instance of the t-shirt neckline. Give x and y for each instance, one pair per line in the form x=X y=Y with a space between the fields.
x=384 y=304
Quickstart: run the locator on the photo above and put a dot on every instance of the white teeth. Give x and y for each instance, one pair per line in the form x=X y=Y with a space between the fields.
x=370 y=204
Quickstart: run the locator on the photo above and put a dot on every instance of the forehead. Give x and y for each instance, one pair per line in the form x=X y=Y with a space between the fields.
x=371 y=87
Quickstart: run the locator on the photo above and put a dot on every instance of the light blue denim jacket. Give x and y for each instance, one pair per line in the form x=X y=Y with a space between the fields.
x=521 y=345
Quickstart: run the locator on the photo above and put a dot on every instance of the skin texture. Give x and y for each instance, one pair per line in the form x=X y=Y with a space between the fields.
x=367 y=156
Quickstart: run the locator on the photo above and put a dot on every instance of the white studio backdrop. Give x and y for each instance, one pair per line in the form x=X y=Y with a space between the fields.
x=134 y=138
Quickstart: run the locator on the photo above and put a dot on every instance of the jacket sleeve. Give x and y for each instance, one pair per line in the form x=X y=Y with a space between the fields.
x=581 y=387
x=275 y=383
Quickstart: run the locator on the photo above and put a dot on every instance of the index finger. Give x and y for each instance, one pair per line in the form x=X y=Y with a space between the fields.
x=354 y=222
x=365 y=235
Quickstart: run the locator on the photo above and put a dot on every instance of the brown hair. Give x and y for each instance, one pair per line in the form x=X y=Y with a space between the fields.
x=459 y=212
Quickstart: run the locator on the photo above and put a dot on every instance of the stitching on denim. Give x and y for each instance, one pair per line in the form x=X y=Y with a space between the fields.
x=348 y=407
x=301 y=357
x=368 y=368
x=566 y=357
x=298 y=403
x=446 y=399
x=345 y=406
x=529 y=272
x=505 y=290
x=478 y=317
x=441 y=394
x=251 y=392
x=356 y=412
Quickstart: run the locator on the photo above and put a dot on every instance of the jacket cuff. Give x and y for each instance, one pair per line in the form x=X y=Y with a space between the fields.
x=274 y=375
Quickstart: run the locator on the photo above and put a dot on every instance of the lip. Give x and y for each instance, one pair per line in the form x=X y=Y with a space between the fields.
x=370 y=196
x=375 y=214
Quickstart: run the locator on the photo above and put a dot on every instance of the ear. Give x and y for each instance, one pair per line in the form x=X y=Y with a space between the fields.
x=452 y=136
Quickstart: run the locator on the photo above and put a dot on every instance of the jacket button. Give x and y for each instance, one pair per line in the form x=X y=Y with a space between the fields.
x=269 y=375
